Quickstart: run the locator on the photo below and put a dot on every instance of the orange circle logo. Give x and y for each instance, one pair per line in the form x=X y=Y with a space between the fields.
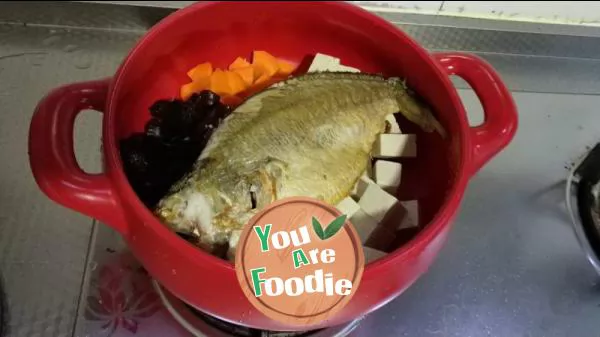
x=299 y=261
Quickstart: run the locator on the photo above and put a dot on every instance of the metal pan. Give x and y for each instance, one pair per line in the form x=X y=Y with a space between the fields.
x=582 y=200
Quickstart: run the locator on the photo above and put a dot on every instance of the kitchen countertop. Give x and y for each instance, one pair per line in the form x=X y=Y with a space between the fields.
x=511 y=267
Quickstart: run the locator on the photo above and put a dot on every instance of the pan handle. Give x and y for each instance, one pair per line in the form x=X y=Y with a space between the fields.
x=500 y=112
x=52 y=157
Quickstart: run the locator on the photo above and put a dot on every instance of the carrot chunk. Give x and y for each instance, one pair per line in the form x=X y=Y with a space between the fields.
x=193 y=87
x=201 y=71
x=226 y=83
x=285 y=68
x=247 y=74
x=264 y=63
x=239 y=62
x=236 y=83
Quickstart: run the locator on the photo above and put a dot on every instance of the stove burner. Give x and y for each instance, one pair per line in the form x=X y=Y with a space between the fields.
x=236 y=330
x=204 y=325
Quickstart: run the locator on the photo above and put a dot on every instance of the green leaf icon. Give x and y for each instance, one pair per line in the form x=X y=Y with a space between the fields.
x=335 y=226
x=318 y=229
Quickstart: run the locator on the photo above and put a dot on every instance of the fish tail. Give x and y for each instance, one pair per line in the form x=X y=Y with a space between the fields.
x=413 y=108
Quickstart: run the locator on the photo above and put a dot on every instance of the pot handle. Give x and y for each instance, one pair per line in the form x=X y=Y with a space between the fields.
x=52 y=156
x=499 y=109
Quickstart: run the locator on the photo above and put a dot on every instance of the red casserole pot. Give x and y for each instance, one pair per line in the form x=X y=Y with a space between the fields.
x=219 y=32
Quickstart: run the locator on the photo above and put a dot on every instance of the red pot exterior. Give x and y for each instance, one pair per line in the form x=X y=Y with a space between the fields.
x=346 y=31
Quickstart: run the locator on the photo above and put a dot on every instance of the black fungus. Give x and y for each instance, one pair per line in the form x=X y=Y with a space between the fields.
x=165 y=108
x=153 y=128
x=208 y=99
x=134 y=158
x=170 y=144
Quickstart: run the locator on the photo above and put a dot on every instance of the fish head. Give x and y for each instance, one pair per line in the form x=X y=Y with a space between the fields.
x=217 y=203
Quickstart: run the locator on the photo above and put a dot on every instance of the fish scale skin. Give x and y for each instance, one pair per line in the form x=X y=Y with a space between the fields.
x=308 y=136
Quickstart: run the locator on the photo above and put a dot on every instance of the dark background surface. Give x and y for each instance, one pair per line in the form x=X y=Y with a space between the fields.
x=2 y=308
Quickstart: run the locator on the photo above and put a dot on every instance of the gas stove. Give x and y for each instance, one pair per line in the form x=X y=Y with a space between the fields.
x=123 y=300
x=583 y=203
x=200 y=324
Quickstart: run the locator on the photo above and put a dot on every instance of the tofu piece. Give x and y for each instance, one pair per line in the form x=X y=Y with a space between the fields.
x=372 y=254
x=376 y=202
x=384 y=235
x=364 y=225
x=395 y=145
x=342 y=67
x=369 y=170
x=361 y=186
x=348 y=206
x=392 y=125
x=323 y=62
x=382 y=238
x=387 y=175
x=404 y=236
x=395 y=217
x=411 y=219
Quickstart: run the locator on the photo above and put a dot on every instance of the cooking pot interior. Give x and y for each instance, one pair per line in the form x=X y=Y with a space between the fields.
x=218 y=33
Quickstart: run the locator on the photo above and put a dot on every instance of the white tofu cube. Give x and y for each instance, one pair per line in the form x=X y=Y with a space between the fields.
x=392 y=125
x=361 y=186
x=346 y=68
x=372 y=254
x=387 y=174
x=376 y=202
x=348 y=206
x=364 y=225
x=369 y=170
x=412 y=217
x=323 y=62
x=394 y=145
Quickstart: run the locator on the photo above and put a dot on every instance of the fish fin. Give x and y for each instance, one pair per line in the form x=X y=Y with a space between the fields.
x=414 y=109
x=277 y=96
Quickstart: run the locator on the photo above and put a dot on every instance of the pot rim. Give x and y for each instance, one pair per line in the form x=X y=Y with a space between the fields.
x=440 y=220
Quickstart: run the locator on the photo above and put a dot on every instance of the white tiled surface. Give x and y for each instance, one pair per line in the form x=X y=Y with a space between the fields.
x=567 y=12
x=425 y=7
x=575 y=12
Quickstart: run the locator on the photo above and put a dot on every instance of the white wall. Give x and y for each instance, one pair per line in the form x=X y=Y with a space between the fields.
x=569 y=12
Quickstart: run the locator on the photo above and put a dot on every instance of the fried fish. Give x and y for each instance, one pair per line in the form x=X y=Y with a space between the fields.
x=311 y=135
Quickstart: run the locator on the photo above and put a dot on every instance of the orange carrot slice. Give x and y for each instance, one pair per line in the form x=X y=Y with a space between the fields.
x=239 y=62
x=262 y=79
x=285 y=68
x=247 y=74
x=236 y=83
x=191 y=88
x=219 y=83
x=201 y=71
x=226 y=83
x=264 y=63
